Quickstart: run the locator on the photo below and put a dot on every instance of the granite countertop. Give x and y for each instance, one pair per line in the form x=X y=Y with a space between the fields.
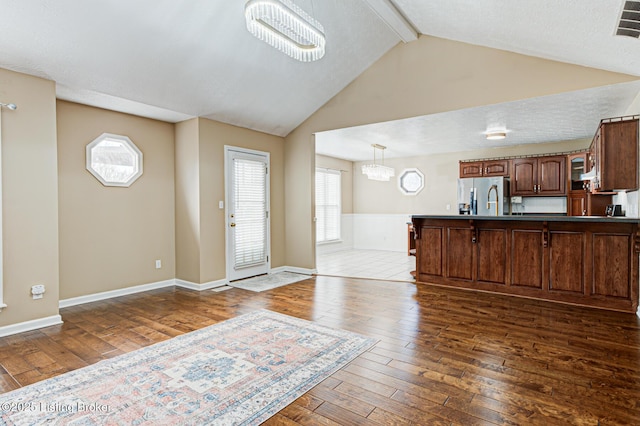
x=535 y=218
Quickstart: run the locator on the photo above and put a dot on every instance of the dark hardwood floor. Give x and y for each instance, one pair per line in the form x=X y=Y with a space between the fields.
x=444 y=356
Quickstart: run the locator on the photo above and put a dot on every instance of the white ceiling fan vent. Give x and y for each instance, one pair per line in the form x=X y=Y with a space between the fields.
x=629 y=20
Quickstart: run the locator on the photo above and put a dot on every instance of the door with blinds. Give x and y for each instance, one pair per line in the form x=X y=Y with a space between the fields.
x=247 y=212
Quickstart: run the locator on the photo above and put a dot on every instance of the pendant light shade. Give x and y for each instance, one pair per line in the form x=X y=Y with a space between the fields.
x=287 y=27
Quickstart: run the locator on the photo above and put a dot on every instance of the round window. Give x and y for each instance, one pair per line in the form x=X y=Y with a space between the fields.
x=114 y=160
x=411 y=181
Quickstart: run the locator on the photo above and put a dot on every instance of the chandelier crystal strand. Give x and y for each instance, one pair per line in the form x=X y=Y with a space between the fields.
x=378 y=172
x=287 y=27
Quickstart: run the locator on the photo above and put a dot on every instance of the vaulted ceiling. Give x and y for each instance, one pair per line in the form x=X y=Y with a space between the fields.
x=173 y=60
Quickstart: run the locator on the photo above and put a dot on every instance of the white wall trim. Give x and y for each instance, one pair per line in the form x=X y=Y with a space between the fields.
x=21 y=327
x=2 y=304
x=293 y=269
x=200 y=287
x=65 y=303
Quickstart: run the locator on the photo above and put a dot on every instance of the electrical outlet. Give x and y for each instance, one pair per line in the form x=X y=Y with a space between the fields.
x=37 y=291
x=158 y=264
x=516 y=200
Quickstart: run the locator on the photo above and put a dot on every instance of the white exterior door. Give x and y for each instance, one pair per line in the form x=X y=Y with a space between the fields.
x=247 y=212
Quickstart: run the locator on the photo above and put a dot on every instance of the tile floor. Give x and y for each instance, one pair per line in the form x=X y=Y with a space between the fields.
x=377 y=264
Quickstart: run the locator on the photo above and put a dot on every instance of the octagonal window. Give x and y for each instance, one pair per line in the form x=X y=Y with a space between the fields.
x=114 y=160
x=411 y=181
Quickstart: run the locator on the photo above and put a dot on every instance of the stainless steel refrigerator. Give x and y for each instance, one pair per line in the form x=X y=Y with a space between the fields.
x=486 y=196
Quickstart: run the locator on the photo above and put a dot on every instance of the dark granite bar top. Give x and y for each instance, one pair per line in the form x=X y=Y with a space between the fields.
x=534 y=218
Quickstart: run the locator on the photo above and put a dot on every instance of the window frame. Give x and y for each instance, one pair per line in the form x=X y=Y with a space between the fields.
x=409 y=191
x=129 y=144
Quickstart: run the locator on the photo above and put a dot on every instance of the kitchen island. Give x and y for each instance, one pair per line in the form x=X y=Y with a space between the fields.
x=581 y=260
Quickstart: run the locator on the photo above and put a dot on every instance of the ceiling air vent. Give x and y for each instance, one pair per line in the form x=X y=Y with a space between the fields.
x=629 y=20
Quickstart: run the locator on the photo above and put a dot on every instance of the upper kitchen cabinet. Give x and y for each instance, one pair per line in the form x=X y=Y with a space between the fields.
x=472 y=169
x=578 y=165
x=614 y=155
x=539 y=176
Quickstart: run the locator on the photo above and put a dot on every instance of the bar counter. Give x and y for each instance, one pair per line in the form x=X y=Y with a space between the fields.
x=581 y=260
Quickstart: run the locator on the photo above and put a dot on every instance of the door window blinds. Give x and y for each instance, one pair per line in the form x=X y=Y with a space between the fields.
x=327 y=205
x=250 y=212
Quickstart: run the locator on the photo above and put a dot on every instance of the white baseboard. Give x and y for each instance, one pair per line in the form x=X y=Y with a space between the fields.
x=200 y=287
x=65 y=303
x=294 y=269
x=21 y=327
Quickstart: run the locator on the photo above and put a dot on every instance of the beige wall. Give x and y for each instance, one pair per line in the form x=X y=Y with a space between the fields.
x=441 y=177
x=110 y=237
x=427 y=76
x=212 y=136
x=187 y=201
x=346 y=178
x=29 y=197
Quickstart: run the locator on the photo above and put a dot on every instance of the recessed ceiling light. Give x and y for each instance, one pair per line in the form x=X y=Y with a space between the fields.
x=494 y=136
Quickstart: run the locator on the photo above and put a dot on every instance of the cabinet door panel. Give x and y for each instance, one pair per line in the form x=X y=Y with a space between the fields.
x=459 y=253
x=611 y=265
x=429 y=251
x=524 y=176
x=473 y=169
x=526 y=258
x=577 y=204
x=491 y=250
x=496 y=168
x=552 y=175
x=619 y=155
x=567 y=261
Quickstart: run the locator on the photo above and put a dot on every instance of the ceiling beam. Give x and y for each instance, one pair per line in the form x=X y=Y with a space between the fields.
x=391 y=16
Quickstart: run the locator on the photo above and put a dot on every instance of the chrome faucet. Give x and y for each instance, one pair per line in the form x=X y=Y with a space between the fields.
x=493 y=187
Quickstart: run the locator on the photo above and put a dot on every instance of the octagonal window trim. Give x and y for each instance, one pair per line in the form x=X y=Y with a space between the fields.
x=411 y=181
x=118 y=163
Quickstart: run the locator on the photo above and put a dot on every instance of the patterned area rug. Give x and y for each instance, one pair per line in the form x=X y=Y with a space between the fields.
x=238 y=372
x=267 y=282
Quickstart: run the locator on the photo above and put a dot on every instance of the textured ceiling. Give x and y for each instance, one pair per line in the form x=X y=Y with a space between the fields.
x=567 y=116
x=173 y=60
x=187 y=58
x=574 y=31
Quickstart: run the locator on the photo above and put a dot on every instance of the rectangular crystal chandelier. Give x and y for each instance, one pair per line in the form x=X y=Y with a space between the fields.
x=378 y=171
x=286 y=27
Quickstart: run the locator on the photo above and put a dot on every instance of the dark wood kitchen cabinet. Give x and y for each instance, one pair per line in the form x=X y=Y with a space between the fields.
x=472 y=169
x=582 y=261
x=491 y=254
x=539 y=176
x=584 y=203
x=614 y=155
x=526 y=260
x=580 y=201
x=577 y=203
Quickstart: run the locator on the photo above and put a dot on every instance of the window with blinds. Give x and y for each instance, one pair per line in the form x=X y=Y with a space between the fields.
x=327 y=205
x=250 y=212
